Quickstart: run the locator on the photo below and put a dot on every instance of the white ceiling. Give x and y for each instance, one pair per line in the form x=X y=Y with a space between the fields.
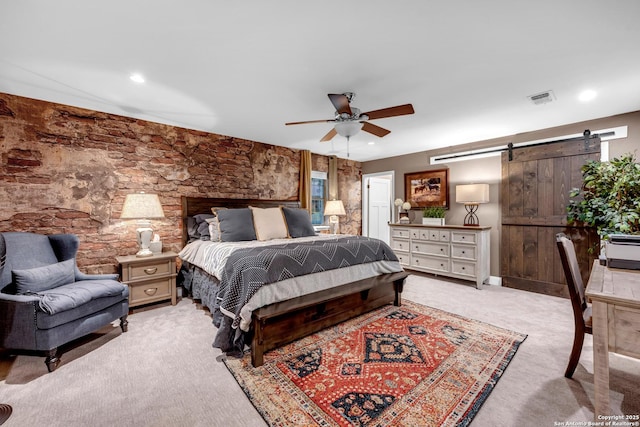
x=244 y=68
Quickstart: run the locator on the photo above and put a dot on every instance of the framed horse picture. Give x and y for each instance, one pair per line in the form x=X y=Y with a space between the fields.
x=428 y=188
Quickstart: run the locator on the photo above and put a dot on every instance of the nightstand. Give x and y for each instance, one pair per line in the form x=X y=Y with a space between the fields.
x=150 y=279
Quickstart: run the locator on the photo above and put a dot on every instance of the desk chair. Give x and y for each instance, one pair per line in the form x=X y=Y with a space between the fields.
x=581 y=310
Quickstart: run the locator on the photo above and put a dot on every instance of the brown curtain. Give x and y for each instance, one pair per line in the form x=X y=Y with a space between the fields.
x=305 y=179
x=333 y=178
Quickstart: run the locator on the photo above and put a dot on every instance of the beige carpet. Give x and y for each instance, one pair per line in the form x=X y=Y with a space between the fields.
x=163 y=372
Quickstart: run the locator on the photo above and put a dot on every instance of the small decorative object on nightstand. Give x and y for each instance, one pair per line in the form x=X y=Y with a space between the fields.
x=150 y=279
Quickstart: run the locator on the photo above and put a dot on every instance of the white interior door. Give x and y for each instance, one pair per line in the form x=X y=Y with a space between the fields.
x=378 y=208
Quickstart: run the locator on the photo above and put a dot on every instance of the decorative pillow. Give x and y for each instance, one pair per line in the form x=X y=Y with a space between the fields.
x=40 y=279
x=192 y=229
x=215 y=210
x=269 y=223
x=214 y=229
x=236 y=225
x=298 y=222
x=197 y=227
x=203 y=230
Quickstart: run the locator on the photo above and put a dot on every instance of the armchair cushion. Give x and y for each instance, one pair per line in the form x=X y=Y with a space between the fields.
x=39 y=279
x=73 y=295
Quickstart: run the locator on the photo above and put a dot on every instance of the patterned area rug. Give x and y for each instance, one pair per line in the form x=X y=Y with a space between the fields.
x=396 y=366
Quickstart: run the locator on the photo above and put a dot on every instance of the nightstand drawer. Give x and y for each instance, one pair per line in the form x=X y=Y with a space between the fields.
x=144 y=292
x=150 y=279
x=149 y=269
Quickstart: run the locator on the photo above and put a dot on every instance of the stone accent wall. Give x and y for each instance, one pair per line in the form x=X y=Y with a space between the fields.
x=68 y=170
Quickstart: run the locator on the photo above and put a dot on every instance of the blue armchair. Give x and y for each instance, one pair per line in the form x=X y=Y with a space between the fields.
x=45 y=301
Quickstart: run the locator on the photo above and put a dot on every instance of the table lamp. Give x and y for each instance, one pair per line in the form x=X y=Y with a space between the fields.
x=143 y=207
x=333 y=209
x=472 y=195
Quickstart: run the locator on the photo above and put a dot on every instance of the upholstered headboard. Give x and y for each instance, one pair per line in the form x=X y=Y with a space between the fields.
x=202 y=205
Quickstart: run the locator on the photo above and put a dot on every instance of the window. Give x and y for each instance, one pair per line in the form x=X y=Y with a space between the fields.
x=318 y=196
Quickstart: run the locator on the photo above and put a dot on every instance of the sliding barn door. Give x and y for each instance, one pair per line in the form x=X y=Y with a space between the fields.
x=535 y=192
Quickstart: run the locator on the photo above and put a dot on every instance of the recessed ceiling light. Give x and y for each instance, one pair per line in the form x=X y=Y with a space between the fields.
x=587 y=95
x=137 y=78
x=371 y=143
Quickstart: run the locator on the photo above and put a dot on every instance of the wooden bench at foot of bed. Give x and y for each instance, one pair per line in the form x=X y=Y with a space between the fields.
x=283 y=322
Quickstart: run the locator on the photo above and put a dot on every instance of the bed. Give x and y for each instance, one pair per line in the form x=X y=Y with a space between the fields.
x=255 y=305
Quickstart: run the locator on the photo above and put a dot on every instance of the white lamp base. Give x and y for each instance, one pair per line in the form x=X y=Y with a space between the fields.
x=334 y=224
x=144 y=235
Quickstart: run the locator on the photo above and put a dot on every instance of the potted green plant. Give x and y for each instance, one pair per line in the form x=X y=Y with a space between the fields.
x=433 y=215
x=609 y=198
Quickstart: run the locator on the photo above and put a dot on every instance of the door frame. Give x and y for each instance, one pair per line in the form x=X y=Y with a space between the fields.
x=365 y=196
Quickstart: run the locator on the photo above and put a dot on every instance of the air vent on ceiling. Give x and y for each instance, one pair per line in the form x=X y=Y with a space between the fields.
x=543 y=97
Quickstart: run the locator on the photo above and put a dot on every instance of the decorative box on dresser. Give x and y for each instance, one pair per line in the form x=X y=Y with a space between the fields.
x=450 y=250
x=150 y=279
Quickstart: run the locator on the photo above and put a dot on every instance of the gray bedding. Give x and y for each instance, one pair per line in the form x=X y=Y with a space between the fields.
x=291 y=267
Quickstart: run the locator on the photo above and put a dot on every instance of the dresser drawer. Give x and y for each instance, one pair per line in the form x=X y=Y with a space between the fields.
x=463 y=268
x=149 y=291
x=404 y=258
x=434 y=264
x=464 y=251
x=462 y=236
x=430 y=248
x=400 y=245
x=400 y=232
x=147 y=270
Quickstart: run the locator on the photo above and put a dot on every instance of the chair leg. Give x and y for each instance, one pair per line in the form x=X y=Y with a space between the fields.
x=124 y=323
x=578 y=340
x=52 y=361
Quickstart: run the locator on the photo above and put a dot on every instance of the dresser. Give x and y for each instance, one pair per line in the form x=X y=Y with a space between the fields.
x=150 y=279
x=449 y=250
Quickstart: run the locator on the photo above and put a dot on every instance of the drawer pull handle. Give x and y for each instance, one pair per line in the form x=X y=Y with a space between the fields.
x=151 y=270
x=151 y=291
x=463 y=252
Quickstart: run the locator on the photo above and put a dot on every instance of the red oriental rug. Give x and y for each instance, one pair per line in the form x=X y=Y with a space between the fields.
x=396 y=366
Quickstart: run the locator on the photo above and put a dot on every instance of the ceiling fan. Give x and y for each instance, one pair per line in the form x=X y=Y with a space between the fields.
x=349 y=120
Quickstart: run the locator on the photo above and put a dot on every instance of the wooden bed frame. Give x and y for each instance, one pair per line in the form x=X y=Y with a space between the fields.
x=277 y=324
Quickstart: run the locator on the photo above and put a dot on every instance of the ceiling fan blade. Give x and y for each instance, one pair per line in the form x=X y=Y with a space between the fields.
x=376 y=130
x=329 y=135
x=310 y=121
x=399 y=110
x=341 y=102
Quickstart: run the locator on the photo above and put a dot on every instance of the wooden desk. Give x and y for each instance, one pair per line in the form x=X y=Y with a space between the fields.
x=615 y=298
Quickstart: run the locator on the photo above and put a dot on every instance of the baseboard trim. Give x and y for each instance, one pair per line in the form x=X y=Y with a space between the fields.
x=494 y=280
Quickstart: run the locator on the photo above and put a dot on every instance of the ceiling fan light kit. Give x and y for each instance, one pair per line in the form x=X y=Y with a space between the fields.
x=348 y=120
x=348 y=128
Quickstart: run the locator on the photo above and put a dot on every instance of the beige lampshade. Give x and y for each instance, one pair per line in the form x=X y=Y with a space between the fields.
x=142 y=206
x=334 y=207
x=472 y=193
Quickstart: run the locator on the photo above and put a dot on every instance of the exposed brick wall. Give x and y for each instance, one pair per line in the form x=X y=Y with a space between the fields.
x=68 y=170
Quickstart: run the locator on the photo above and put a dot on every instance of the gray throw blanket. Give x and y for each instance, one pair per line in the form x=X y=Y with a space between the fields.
x=246 y=270
x=75 y=294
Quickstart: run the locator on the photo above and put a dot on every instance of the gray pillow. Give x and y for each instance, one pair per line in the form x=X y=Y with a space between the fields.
x=236 y=225
x=40 y=279
x=298 y=222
